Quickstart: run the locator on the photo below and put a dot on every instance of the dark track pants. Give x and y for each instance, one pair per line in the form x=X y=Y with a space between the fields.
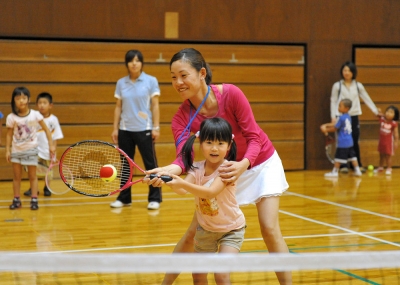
x=128 y=141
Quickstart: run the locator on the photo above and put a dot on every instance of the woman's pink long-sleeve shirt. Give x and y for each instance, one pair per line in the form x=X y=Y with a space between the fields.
x=233 y=106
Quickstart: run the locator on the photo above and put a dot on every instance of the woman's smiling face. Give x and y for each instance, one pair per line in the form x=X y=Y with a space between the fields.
x=186 y=79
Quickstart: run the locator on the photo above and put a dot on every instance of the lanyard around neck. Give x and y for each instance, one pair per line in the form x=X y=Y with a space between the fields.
x=187 y=128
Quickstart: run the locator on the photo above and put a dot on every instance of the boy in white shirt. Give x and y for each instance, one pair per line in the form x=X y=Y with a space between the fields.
x=44 y=103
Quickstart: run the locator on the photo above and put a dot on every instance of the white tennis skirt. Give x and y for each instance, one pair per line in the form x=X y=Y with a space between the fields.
x=264 y=180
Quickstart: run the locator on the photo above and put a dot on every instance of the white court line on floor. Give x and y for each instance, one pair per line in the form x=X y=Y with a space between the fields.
x=339 y=228
x=42 y=204
x=173 y=244
x=347 y=231
x=55 y=197
x=342 y=205
x=329 y=235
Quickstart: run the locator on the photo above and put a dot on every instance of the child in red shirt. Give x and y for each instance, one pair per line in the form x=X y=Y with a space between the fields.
x=388 y=138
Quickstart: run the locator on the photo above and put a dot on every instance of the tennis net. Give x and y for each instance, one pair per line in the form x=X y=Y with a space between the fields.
x=379 y=267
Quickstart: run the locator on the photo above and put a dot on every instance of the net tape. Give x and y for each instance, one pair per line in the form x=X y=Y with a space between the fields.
x=247 y=262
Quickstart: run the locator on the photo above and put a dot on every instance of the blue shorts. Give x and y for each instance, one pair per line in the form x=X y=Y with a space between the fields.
x=343 y=155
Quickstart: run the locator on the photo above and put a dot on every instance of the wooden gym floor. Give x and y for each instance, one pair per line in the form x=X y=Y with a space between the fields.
x=316 y=215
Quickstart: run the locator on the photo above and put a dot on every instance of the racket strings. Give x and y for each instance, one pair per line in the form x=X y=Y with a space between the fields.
x=85 y=161
x=54 y=183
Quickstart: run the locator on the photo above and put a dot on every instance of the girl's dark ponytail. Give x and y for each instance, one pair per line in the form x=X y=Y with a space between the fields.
x=187 y=153
x=231 y=155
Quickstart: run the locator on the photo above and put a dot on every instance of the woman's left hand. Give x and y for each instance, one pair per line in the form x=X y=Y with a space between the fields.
x=230 y=171
x=155 y=134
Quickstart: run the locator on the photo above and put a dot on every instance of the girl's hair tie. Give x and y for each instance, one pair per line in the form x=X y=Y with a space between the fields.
x=233 y=136
x=197 y=134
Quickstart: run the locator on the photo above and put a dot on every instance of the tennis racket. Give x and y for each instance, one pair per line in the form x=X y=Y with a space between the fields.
x=53 y=178
x=330 y=148
x=41 y=168
x=85 y=161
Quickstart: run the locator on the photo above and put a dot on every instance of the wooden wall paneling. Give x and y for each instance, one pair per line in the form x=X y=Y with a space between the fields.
x=320 y=26
x=275 y=131
x=369 y=130
x=56 y=51
x=257 y=74
x=273 y=92
x=64 y=92
x=104 y=93
x=72 y=72
x=113 y=20
x=107 y=72
x=291 y=154
x=84 y=101
x=379 y=75
x=283 y=131
x=383 y=93
x=86 y=114
x=278 y=112
x=377 y=56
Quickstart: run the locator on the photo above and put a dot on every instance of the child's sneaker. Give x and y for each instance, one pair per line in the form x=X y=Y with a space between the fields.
x=34 y=204
x=28 y=192
x=357 y=173
x=16 y=203
x=46 y=191
x=388 y=171
x=378 y=170
x=331 y=174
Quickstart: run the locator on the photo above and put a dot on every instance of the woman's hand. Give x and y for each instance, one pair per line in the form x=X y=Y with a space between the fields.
x=230 y=171
x=165 y=170
x=155 y=134
x=114 y=136
x=156 y=182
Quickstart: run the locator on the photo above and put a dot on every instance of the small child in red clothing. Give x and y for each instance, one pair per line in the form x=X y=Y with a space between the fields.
x=388 y=138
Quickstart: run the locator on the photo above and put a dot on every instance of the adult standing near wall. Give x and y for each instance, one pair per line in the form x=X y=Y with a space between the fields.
x=349 y=88
x=136 y=122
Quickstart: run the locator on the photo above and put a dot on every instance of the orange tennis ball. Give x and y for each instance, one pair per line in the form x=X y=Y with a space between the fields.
x=108 y=173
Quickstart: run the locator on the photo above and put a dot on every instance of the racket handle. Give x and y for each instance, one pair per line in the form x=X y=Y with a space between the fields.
x=164 y=178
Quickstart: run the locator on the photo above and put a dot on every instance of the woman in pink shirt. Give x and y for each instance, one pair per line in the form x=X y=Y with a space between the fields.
x=257 y=171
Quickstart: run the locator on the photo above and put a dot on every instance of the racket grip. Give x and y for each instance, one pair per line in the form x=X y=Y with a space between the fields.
x=164 y=178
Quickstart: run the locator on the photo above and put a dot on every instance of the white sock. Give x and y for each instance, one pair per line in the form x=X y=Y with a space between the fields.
x=357 y=169
x=335 y=170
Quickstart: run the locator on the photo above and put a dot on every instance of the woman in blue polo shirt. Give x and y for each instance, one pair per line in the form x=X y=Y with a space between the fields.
x=136 y=122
